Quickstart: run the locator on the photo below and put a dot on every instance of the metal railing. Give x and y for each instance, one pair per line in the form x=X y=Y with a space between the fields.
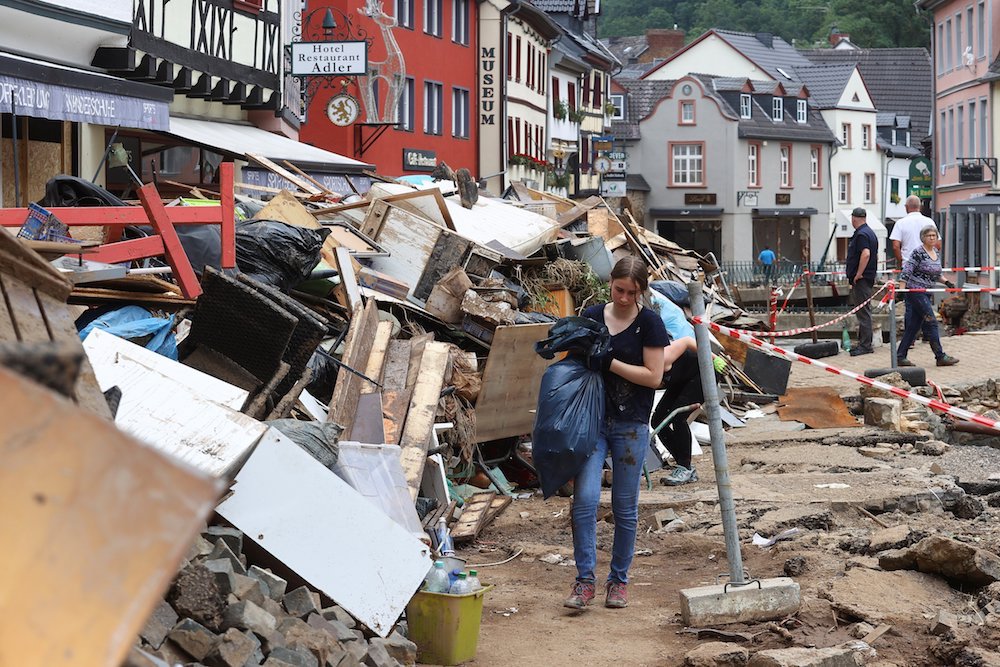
x=783 y=272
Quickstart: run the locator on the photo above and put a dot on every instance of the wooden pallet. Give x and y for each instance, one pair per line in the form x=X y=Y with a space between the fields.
x=473 y=516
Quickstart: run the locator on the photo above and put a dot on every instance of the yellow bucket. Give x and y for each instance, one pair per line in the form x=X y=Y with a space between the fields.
x=445 y=627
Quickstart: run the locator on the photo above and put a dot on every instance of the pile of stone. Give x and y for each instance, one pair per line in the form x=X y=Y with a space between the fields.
x=222 y=611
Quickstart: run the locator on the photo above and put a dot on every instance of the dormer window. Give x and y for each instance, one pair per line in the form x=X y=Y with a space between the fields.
x=801 y=111
x=777 y=109
x=744 y=105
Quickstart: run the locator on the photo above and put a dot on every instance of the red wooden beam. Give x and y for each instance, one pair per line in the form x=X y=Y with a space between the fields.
x=127 y=251
x=228 y=220
x=98 y=216
x=176 y=257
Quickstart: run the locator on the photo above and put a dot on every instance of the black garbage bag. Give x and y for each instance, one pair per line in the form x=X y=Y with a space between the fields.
x=63 y=190
x=567 y=423
x=570 y=401
x=575 y=334
x=276 y=253
x=324 y=376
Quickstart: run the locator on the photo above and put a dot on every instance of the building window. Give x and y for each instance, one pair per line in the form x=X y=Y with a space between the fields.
x=950 y=42
x=404 y=13
x=460 y=113
x=432 y=17
x=869 y=188
x=844 y=188
x=972 y=128
x=510 y=137
x=785 y=161
x=894 y=188
x=687 y=113
x=460 y=22
x=529 y=75
x=598 y=88
x=960 y=133
x=433 y=97
x=777 y=108
x=744 y=105
x=983 y=127
x=753 y=165
x=687 y=164
x=952 y=153
x=406 y=106
x=571 y=95
x=941 y=140
x=619 y=103
x=939 y=48
x=801 y=111
x=845 y=134
x=969 y=27
x=510 y=55
x=958 y=40
x=866 y=137
x=981 y=29
x=517 y=58
x=815 y=155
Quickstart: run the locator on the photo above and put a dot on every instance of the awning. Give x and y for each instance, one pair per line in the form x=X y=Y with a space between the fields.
x=689 y=212
x=237 y=139
x=845 y=229
x=40 y=89
x=984 y=204
x=784 y=212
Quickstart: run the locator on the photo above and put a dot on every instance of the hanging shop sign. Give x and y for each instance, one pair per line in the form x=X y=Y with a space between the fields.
x=323 y=58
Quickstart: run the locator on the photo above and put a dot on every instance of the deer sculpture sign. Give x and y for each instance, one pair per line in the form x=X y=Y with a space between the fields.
x=391 y=70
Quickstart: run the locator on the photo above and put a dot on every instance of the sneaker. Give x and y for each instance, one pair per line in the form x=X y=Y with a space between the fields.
x=903 y=361
x=617 y=597
x=680 y=475
x=581 y=595
x=858 y=351
x=947 y=361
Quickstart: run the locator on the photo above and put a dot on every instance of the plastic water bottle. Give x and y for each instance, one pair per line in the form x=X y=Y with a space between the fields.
x=473 y=580
x=445 y=546
x=846 y=340
x=437 y=579
x=461 y=585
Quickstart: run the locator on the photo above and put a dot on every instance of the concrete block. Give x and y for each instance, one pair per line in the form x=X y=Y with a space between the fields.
x=246 y=615
x=334 y=628
x=378 y=656
x=883 y=413
x=932 y=447
x=294 y=657
x=338 y=613
x=717 y=654
x=712 y=605
x=233 y=650
x=195 y=594
x=232 y=537
x=300 y=602
x=159 y=624
x=222 y=550
x=663 y=517
x=248 y=588
x=194 y=638
x=274 y=608
x=880 y=453
x=224 y=573
x=357 y=648
x=348 y=660
x=275 y=585
x=889 y=538
x=944 y=623
x=199 y=548
x=804 y=657
x=400 y=648
x=286 y=624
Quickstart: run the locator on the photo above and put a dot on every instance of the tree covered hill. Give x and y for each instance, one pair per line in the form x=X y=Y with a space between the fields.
x=870 y=23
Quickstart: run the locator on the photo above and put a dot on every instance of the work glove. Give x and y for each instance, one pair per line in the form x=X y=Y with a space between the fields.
x=719 y=363
x=600 y=362
x=949 y=284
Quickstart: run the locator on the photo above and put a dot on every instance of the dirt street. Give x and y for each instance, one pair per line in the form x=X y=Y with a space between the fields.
x=781 y=479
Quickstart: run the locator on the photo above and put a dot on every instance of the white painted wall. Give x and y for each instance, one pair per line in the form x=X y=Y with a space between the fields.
x=711 y=55
x=116 y=10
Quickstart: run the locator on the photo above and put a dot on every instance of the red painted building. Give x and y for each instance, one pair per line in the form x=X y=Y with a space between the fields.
x=416 y=107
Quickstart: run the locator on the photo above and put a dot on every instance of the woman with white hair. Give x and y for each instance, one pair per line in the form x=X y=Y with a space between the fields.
x=921 y=271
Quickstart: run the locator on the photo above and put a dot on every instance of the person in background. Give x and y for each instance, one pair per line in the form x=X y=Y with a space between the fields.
x=922 y=270
x=682 y=386
x=905 y=237
x=632 y=369
x=861 y=253
x=767 y=257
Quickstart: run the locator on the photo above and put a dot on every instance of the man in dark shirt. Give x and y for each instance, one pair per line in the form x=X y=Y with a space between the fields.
x=862 y=252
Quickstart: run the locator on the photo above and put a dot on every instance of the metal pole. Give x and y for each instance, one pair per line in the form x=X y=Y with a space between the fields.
x=892 y=328
x=711 y=404
x=17 y=165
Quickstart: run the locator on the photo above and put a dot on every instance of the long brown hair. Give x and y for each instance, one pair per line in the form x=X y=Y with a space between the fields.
x=634 y=268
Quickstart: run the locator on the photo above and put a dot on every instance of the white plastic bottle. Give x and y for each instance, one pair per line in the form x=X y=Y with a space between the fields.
x=445 y=545
x=437 y=579
x=473 y=580
x=461 y=585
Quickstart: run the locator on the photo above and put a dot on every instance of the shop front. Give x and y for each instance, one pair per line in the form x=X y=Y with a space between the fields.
x=694 y=228
x=786 y=231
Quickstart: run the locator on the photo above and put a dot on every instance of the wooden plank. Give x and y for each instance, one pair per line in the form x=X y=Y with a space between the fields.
x=368 y=427
x=301 y=184
x=376 y=360
x=129 y=513
x=448 y=253
x=310 y=179
x=62 y=329
x=357 y=347
x=416 y=434
x=395 y=395
x=284 y=207
x=440 y=216
x=497 y=506
x=227 y=215
x=8 y=334
x=578 y=210
x=511 y=379
x=408 y=238
x=182 y=272
x=29 y=323
x=473 y=513
x=417 y=345
x=91 y=296
x=28 y=266
x=348 y=279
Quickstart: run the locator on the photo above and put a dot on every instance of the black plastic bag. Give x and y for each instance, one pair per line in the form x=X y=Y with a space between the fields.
x=567 y=423
x=276 y=253
x=673 y=290
x=575 y=334
x=324 y=375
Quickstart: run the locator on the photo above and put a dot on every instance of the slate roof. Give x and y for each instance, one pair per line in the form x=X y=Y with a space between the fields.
x=760 y=125
x=899 y=80
x=642 y=96
x=780 y=54
x=826 y=83
x=565 y=6
x=626 y=48
x=635 y=70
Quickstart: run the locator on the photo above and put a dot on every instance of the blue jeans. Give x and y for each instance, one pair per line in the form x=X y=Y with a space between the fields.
x=919 y=317
x=626 y=442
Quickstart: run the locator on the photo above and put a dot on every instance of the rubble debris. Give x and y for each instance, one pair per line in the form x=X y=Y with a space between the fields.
x=889 y=538
x=716 y=654
x=883 y=413
x=932 y=447
x=955 y=561
x=795 y=566
x=887 y=597
x=944 y=623
x=805 y=657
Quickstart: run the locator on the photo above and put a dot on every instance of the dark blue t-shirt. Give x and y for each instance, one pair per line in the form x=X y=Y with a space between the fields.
x=863 y=238
x=624 y=400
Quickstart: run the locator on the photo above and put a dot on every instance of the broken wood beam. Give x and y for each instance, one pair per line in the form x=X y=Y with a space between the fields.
x=417 y=431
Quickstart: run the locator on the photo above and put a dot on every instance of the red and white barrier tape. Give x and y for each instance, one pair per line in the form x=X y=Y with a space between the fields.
x=932 y=403
x=802 y=330
x=960 y=269
x=949 y=289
